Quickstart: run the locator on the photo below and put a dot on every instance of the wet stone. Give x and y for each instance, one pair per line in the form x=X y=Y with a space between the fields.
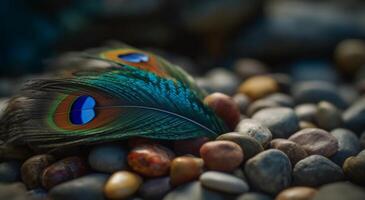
x=316 y=170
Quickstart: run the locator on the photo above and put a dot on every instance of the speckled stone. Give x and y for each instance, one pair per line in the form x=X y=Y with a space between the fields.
x=122 y=184
x=316 y=170
x=256 y=130
x=270 y=178
x=293 y=150
x=108 y=158
x=282 y=122
x=316 y=141
x=348 y=145
x=340 y=191
x=223 y=182
x=297 y=193
x=221 y=155
x=306 y=112
x=328 y=116
x=257 y=87
x=354 y=168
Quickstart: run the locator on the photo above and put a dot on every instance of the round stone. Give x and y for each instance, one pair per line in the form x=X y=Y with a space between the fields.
x=32 y=168
x=340 y=191
x=282 y=122
x=316 y=141
x=87 y=187
x=293 y=150
x=9 y=171
x=248 y=144
x=328 y=116
x=155 y=188
x=316 y=170
x=189 y=146
x=254 y=196
x=259 y=105
x=108 y=158
x=269 y=171
x=225 y=107
x=306 y=112
x=354 y=168
x=64 y=170
x=195 y=190
x=243 y=101
x=354 y=116
x=223 y=182
x=150 y=160
x=122 y=184
x=222 y=80
x=256 y=130
x=257 y=87
x=185 y=169
x=350 y=55
x=316 y=91
x=221 y=155
x=348 y=145
x=281 y=99
x=297 y=193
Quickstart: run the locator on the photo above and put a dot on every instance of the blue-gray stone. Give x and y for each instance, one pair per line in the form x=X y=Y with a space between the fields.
x=348 y=145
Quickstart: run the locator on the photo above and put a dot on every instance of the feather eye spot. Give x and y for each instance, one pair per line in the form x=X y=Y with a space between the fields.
x=83 y=110
x=134 y=57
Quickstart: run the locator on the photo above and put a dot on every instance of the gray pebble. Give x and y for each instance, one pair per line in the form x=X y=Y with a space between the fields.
x=155 y=188
x=283 y=100
x=282 y=122
x=316 y=170
x=269 y=171
x=316 y=91
x=256 y=130
x=9 y=171
x=354 y=116
x=223 y=182
x=340 y=191
x=87 y=187
x=348 y=145
x=259 y=105
x=222 y=80
x=254 y=196
x=107 y=158
x=328 y=116
x=243 y=101
x=306 y=112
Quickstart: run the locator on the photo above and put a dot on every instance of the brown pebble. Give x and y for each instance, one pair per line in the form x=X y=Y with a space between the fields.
x=32 y=169
x=185 y=169
x=293 y=150
x=64 y=170
x=221 y=155
x=257 y=87
x=189 y=146
x=297 y=193
x=150 y=160
x=354 y=168
x=225 y=107
x=316 y=141
x=122 y=184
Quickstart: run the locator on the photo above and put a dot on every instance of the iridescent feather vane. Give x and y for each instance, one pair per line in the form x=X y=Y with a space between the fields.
x=142 y=95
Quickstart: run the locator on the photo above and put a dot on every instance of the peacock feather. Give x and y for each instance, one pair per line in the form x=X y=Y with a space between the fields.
x=142 y=95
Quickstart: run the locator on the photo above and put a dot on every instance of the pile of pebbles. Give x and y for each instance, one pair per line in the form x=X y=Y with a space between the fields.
x=294 y=137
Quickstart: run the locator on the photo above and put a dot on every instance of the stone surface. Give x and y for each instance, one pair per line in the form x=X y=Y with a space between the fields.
x=243 y=101
x=224 y=107
x=87 y=187
x=248 y=144
x=257 y=87
x=269 y=171
x=354 y=116
x=223 y=182
x=282 y=122
x=304 y=125
x=248 y=67
x=297 y=193
x=155 y=188
x=150 y=160
x=222 y=80
x=306 y=112
x=13 y=191
x=9 y=171
x=108 y=158
x=189 y=146
x=316 y=141
x=32 y=168
x=221 y=155
x=293 y=150
x=354 y=168
x=362 y=140
x=281 y=99
x=348 y=145
x=254 y=196
x=328 y=116
x=316 y=170
x=260 y=104
x=122 y=184
x=256 y=130
x=64 y=170
x=340 y=191
x=350 y=55
x=185 y=169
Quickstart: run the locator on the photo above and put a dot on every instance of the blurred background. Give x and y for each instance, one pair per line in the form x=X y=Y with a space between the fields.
x=198 y=35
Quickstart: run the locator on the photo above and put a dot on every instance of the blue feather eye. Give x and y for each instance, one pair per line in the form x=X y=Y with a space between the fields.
x=134 y=57
x=82 y=110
